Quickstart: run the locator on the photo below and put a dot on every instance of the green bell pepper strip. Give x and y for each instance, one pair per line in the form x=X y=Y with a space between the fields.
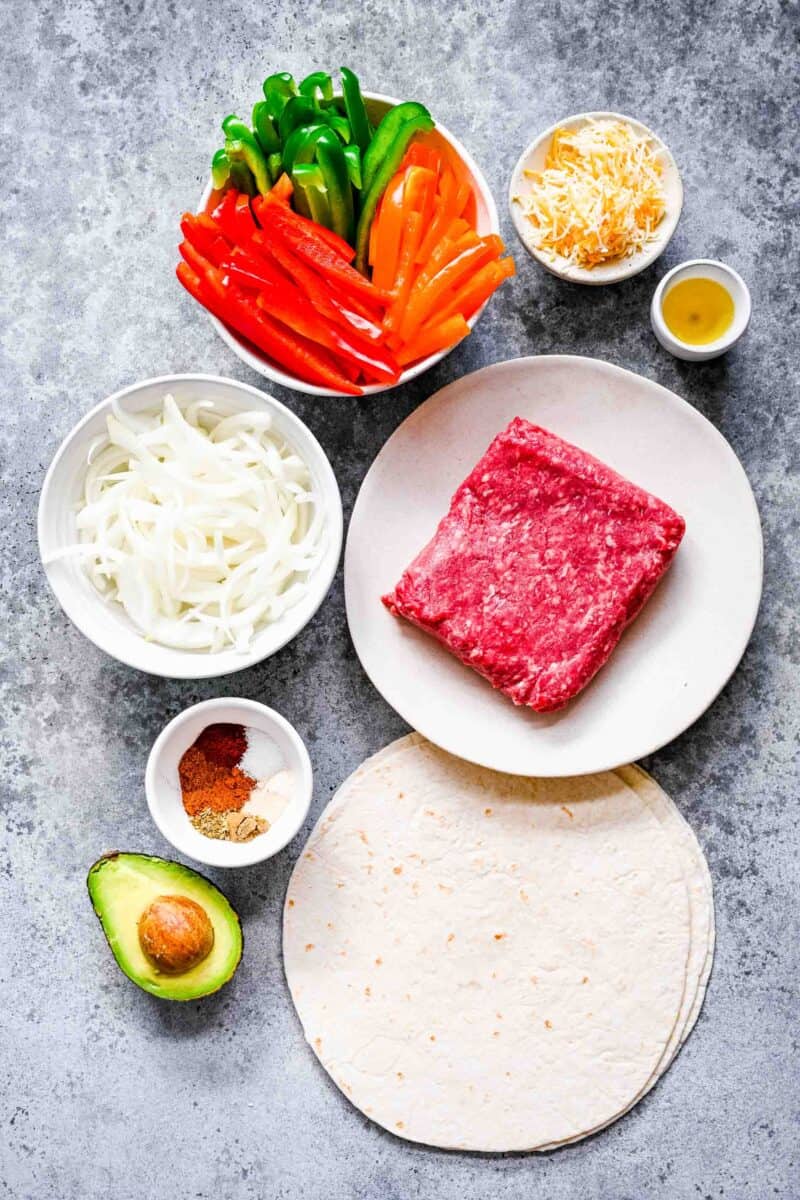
x=220 y=169
x=275 y=164
x=236 y=131
x=300 y=110
x=317 y=85
x=241 y=178
x=264 y=129
x=385 y=135
x=330 y=156
x=421 y=123
x=278 y=90
x=352 y=156
x=319 y=144
x=356 y=112
x=309 y=183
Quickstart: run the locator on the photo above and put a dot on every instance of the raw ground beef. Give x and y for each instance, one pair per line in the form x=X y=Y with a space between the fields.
x=544 y=557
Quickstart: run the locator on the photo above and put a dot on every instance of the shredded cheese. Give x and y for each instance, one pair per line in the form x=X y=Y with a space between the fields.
x=600 y=196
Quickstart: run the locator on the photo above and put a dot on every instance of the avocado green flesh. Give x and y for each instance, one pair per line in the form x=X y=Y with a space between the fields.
x=121 y=886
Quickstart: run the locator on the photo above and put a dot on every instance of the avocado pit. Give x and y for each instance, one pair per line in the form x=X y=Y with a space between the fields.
x=175 y=934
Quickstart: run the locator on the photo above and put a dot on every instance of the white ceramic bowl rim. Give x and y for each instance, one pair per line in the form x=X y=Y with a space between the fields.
x=736 y=286
x=80 y=602
x=211 y=851
x=272 y=371
x=618 y=270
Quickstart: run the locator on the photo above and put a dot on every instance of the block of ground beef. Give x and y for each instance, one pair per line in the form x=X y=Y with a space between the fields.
x=544 y=557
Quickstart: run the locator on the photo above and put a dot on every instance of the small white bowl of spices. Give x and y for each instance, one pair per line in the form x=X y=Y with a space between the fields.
x=229 y=782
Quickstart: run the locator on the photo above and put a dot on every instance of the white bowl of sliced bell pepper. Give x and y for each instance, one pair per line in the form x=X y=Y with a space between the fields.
x=344 y=244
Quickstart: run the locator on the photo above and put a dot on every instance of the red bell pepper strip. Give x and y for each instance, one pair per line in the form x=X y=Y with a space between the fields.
x=304 y=241
x=225 y=216
x=210 y=243
x=291 y=307
x=244 y=216
x=296 y=354
x=321 y=294
x=336 y=243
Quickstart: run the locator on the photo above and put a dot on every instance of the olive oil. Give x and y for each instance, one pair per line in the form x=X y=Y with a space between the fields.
x=697 y=310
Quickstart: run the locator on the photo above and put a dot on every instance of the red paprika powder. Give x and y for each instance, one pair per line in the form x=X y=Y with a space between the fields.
x=209 y=776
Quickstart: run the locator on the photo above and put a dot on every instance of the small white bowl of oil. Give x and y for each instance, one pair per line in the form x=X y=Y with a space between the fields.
x=700 y=309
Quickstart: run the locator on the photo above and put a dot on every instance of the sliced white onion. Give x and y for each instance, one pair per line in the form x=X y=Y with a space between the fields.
x=204 y=527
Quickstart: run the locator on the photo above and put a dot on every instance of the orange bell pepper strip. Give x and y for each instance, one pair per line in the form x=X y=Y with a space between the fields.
x=420 y=192
x=373 y=241
x=412 y=234
x=424 y=301
x=388 y=232
x=282 y=189
x=468 y=298
x=434 y=338
x=420 y=155
x=444 y=215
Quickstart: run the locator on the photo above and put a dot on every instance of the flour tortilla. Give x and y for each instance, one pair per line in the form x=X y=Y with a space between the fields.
x=698 y=882
x=487 y=962
x=701 y=905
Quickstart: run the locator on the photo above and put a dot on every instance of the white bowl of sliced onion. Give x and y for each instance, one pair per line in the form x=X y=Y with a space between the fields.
x=190 y=526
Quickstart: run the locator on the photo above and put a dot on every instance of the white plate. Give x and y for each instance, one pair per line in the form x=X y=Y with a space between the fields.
x=672 y=661
x=105 y=622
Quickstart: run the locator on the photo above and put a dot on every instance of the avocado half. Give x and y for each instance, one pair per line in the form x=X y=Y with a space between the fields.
x=123 y=886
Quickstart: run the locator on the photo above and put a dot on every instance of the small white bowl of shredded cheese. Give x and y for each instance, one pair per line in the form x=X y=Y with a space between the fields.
x=190 y=526
x=596 y=198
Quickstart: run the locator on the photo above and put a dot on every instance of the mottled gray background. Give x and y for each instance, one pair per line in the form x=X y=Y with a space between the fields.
x=109 y=118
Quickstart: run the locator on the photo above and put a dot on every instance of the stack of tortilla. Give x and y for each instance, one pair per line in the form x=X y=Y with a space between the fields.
x=489 y=962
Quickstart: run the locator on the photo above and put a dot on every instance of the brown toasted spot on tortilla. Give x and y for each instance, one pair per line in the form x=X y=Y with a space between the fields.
x=290 y=903
x=498 y=937
x=400 y=1125
x=378 y=962
x=585 y=979
x=363 y=837
x=433 y=1037
x=487 y=812
x=523 y=895
x=567 y=811
x=397 y=870
x=367 y=991
x=548 y=1024
x=451 y=937
x=309 y=946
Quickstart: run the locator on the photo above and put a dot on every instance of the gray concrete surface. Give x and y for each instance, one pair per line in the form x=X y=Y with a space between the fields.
x=109 y=118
